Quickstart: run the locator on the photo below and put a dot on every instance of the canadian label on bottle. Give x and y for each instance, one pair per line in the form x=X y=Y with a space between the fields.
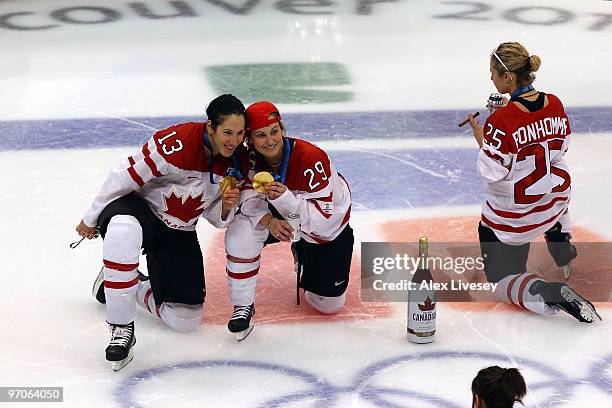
x=422 y=313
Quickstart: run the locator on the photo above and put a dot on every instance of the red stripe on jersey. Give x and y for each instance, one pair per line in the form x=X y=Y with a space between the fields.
x=509 y=289
x=119 y=266
x=347 y=215
x=317 y=240
x=242 y=275
x=131 y=160
x=146 y=299
x=235 y=259
x=539 y=208
x=318 y=207
x=323 y=241
x=493 y=156
x=524 y=228
x=149 y=161
x=137 y=179
x=121 y=285
x=523 y=286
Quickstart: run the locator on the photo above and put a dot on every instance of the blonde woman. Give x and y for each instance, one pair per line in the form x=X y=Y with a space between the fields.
x=527 y=187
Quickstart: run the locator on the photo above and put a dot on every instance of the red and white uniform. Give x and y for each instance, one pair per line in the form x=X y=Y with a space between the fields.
x=314 y=190
x=527 y=181
x=172 y=174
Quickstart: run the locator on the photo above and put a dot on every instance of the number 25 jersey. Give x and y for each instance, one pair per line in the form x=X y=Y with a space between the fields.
x=527 y=181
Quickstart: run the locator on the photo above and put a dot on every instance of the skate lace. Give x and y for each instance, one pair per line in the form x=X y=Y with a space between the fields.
x=241 y=312
x=120 y=336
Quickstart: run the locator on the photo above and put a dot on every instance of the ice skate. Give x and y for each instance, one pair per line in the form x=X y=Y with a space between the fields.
x=98 y=287
x=567 y=270
x=578 y=306
x=240 y=322
x=120 y=351
x=561 y=296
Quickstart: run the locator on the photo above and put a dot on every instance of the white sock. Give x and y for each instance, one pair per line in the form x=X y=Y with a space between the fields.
x=325 y=304
x=515 y=289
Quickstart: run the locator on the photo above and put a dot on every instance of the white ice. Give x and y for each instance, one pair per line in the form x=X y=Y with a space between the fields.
x=401 y=57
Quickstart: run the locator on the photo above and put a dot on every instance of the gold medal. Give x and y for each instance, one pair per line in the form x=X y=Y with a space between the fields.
x=227 y=183
x=260 y=180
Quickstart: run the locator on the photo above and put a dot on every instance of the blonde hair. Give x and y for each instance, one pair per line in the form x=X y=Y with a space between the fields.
x=517 y=60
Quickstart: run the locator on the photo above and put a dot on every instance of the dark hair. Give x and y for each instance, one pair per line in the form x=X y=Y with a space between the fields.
x=223 y=106
x=499 y=387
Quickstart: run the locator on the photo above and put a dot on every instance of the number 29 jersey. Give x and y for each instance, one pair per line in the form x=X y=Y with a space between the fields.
x=314 y=189
x=527 y=181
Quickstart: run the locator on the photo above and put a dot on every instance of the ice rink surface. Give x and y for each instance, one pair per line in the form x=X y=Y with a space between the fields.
x=380 y=85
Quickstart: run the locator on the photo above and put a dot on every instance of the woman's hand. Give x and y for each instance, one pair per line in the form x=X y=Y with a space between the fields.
x=229 y=200
x=492 y=107
x=275 y=190
x=85 y=231
x=476 y=129
x=280 y=229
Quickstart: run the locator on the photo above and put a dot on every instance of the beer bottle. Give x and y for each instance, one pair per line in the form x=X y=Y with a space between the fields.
x=422 y=301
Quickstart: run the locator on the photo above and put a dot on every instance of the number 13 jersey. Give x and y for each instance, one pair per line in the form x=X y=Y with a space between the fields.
x=527 y=181
x=173 y=175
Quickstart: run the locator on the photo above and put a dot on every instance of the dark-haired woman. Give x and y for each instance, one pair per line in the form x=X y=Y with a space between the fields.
x=497 y=387
x=527 y=187
x=152 y=200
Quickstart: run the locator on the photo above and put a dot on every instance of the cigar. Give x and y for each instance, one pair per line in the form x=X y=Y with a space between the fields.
x=475 y=115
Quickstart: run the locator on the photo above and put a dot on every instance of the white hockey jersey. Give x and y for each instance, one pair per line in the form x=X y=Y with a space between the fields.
x=527 y=181
x=173 y=175
x=314 y=190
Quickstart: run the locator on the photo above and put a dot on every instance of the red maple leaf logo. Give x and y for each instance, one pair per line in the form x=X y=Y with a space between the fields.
x=427 y=305
x=185 y=211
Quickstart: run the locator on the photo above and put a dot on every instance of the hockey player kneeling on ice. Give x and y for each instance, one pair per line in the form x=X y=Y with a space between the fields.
x=527 y=188
x=306 y=187
x=152 y=201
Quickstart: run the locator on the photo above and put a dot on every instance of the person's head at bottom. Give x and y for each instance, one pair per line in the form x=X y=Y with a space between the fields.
x=497 y=387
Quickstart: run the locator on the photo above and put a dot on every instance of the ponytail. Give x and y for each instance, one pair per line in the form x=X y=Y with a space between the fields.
x=499 y=387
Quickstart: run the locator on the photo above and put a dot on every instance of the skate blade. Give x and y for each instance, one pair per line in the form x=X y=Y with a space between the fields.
x=587 y=310
x=245 y=333
x=118 y=365
x=97 y=283
x=567 y=270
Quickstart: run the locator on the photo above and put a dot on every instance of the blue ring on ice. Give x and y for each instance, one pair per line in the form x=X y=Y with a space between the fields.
x=324 y=394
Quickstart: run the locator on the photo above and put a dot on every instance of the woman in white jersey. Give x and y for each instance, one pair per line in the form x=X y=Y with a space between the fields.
x=153 y=200
x=306 y=185
x=527 y=187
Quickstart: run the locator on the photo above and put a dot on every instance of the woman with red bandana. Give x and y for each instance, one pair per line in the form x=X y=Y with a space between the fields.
x=305 y=184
